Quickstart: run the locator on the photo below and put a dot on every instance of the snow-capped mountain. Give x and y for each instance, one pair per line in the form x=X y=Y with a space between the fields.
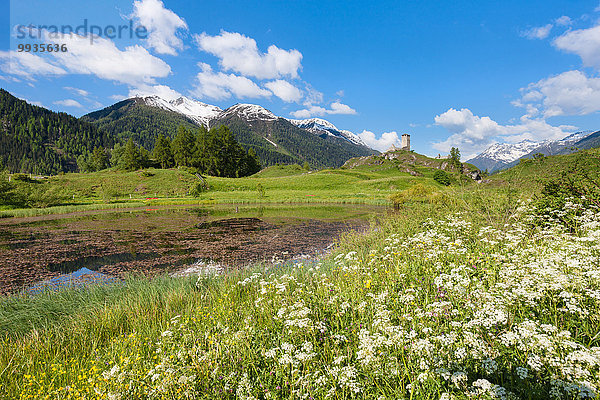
x=320 y=127
x=253 y=115
x=203 y=114
x=508 y=152
x=504 y=155
x=200 y=113
x=248 y=112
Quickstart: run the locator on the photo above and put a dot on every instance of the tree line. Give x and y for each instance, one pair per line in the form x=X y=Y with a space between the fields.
x=214 y=152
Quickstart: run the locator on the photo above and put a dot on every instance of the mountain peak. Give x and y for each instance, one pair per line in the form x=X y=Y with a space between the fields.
x=199 y=112
x=249 y=112
x=320 y=126
x=504 y=155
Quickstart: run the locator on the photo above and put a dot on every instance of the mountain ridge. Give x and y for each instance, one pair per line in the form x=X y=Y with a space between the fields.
x=501 y=156
x=275 y=139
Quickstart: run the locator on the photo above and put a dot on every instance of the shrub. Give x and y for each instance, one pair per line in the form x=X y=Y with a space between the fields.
x=198 y=188
x=576 y=189
x=441 y=177
x=418 y=193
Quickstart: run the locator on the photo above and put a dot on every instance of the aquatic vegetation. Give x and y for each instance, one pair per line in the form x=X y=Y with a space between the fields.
x=454 y=311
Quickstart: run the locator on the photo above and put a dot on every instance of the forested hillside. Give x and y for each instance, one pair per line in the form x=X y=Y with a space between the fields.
x=280 y=141
x=133 y=119
x=34 y=139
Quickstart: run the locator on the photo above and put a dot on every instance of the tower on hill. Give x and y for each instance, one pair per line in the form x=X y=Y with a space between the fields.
x=405 y=142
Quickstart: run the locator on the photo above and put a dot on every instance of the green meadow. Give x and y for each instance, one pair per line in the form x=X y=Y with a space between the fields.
x=467 y=291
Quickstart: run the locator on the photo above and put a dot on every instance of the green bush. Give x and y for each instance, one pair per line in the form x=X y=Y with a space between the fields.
x=441 y=177
x=417 y=193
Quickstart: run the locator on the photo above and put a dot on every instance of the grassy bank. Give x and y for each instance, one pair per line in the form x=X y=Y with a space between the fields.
x=474 y=302
x=363 y=184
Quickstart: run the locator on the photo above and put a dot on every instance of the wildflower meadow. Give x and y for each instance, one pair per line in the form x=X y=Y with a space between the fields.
x=457 y=309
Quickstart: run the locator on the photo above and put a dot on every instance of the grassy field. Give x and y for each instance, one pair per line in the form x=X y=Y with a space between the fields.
x=456 y=300
x=476 y=296
x=360 y=184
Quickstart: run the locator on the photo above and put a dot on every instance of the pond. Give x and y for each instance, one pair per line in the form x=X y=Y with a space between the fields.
x=168 y=239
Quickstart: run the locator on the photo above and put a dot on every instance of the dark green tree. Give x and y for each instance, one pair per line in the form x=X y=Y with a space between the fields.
x=162 y=152
x=253 y=162
x=84 y=163
x=131 y=158
x=99 y=159
x=184 y=147
x=455 y=158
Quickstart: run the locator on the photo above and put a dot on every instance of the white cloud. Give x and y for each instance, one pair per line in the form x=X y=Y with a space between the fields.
x=239 y=53
x=318 y=111
x=162 y=91
x=570 y=93
x=382 y=143
x=540 y=32
x=311 y=111
x=132 y=66
x=340 y=93
x=284 y=90
x=68 y=103
x=583 y=42
x=339 y=108
x=27 y=65
x=117 y=97
x=162 y=25
x=313 y=96
x=563 y=21
x=90 y=55
x=80 y=92
x=220 y=86
x=470 y=133
x=473 y=134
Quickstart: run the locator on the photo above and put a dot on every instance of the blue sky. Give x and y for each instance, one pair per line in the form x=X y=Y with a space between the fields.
x=450 y=73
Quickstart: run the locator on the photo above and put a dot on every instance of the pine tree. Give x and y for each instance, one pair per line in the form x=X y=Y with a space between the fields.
x=455 y=159
x=130 y=160
x=183 y=147
x=162 y=152
x=99 y=159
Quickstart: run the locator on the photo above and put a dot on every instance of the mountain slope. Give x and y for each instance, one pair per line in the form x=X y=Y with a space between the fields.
x=200 y=113
x=142 y=119
x=533 y=173
x=500 y=155
x=277 y=140
x=325 y=128
x=589 y=142
x=34 y=139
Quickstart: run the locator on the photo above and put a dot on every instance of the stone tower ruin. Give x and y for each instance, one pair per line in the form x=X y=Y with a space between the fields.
x=406 y=142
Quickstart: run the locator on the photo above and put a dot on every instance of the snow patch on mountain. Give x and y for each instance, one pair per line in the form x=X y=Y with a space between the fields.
x=273 y=143
x=319 y=126
x=508 y=152
x=200 y=113
x=249 y=112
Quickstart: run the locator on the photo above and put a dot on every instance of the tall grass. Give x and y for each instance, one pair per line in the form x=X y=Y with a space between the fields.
x=465 y=298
